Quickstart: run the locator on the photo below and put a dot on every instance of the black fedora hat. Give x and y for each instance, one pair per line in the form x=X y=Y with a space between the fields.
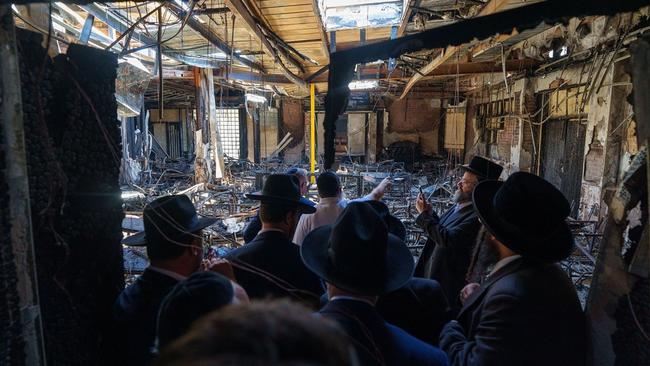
x=357 y=253
x=394 y=225
x=483 y=167
x=527 y=214
x=168 y=218
x=283 y=189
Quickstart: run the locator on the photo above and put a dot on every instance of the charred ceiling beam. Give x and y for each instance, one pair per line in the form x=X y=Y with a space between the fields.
x=342 y=63
x=407 y=15
x=210 y=11
x=453 y=69
x=490 y=8
x=325 y=47
x=116 y=23
x=211 y=36
x=239 y=8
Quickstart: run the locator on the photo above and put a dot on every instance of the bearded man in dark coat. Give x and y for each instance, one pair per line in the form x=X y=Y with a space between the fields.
x=451 y=237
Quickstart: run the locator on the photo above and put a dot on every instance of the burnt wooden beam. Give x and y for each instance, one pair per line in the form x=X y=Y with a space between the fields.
x=211 y=11
x=325 y=47
x=463 y=68
x=239 y=8
x=211 y=37
x=490 y=8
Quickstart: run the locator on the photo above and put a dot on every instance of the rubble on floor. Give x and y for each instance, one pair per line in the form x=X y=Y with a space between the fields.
x=435 y=177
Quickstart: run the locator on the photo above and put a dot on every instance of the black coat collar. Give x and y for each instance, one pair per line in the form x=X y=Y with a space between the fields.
x=271 y=235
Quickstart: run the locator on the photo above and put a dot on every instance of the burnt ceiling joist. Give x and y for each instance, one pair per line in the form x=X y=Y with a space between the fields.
x=257 y=29
x=342 y=63
x=210 y=36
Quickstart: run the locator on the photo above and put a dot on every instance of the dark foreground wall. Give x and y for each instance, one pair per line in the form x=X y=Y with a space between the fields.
x=72 y=141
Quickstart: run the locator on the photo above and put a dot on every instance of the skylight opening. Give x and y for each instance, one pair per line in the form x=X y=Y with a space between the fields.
x=338 y=14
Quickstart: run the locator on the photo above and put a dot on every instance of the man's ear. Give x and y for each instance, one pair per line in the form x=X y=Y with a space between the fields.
x=289 y=216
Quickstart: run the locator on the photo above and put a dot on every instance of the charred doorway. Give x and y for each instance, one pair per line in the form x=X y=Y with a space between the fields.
x=563 y=143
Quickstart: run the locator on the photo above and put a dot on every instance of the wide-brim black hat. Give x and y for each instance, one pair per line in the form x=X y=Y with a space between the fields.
x=483 y=167
x=283 y=189
x=527 y=214
x=169 y=218
x=358 y=254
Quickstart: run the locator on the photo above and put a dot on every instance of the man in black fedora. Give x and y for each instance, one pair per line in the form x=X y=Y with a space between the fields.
x=255 y=224
x=270 y=265
x=428 y=310
x=451 y=237
x=360 y=260
x=173 y=237
x=527 y=311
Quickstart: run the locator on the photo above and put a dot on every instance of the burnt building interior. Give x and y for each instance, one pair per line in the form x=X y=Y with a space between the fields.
x=107 y=106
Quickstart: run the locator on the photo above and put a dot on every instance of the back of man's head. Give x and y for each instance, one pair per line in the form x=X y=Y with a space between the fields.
x=298 y=172
x=169 y=249
x=264 y=333
x=190 y=299
x=329 y=184
x=273 y=213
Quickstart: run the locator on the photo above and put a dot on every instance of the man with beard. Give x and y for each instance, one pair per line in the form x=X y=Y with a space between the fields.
x=526 y=310
x=446 y=255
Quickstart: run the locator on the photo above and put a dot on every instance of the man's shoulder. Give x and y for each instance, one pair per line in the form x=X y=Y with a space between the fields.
x=147 y=289
x=531 y=275
x=264 y=244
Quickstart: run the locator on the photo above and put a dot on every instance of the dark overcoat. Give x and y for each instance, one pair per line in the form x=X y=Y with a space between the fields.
x=136 y=315
x=448 y=251
x=378 y=342
x=526 y=313
x=270 y=266
x=419 y=307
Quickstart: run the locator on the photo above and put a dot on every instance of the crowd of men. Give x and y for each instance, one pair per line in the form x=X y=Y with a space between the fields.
x=335 y=284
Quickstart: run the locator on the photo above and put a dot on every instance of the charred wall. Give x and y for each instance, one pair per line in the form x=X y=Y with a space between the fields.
x=73 y=152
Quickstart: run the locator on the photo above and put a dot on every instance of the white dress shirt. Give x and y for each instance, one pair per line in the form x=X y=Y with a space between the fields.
x=502 y=263
x=327 y=211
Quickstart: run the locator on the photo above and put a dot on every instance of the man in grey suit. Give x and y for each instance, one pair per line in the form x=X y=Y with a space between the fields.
x=447 y=253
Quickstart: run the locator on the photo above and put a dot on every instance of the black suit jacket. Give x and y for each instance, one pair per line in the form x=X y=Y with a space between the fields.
x=419 y=307
x=378 y=342
x=447 y=254
x=527 y=313
x=136 y=314
x=271 y=267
